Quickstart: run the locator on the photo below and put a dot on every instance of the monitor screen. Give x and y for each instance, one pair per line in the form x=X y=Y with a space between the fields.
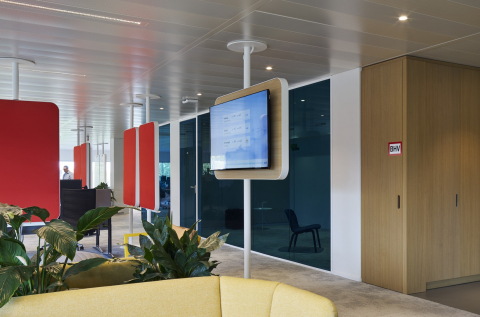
x=239 y=133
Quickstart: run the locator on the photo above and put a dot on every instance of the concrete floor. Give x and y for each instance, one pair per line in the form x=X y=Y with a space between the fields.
x=351 y=298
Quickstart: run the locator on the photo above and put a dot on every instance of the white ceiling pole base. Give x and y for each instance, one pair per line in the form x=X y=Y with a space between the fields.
x=247 y=48
x=15 y=63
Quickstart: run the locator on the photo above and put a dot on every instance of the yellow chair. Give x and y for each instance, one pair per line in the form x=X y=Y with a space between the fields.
x=178 y=230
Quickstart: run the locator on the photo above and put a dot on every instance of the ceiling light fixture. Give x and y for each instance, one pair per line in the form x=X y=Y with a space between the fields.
x=161 y=108
x=199 y=94
x=189 y=100
x=71 y=12
x=269 y=68
x=302 y=100
x=403 y=18
x=45 y=71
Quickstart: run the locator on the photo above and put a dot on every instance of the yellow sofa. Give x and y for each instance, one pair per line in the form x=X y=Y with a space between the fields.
x=201 y=296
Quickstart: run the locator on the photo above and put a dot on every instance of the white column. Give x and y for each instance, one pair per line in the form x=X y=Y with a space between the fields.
x=247 y=198
x=131 y=116
x=15 y=81
x=78 y=136
x=147 y=117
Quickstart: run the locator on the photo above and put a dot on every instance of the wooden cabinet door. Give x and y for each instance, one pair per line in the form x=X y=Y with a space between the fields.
x=470 y=173
x=382 y=219
x=441 y=131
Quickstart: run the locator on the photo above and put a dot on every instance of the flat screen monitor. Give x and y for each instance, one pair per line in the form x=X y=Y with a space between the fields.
x=239 y=133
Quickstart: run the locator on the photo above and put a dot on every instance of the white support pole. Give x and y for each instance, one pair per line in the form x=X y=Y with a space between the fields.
x=147 y=117
x=247 y=197
x=85 y=136
x=130 y=210
x=15 y=81
x=78 y=136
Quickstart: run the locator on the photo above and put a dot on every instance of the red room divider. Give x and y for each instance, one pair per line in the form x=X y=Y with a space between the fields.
x=148 y=161
x=30 y=146
x=130 y=168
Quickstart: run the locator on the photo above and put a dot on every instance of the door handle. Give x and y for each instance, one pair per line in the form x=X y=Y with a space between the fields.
x=194 y=187
x=398 y=201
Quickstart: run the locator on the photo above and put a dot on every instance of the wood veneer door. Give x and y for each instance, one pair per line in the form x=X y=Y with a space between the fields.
x=382 y=220
x=470 y=173
x=442 y=130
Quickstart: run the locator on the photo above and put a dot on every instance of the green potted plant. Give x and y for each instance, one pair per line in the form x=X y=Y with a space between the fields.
x=163 y=255
x=103 y=185
x=20 y=275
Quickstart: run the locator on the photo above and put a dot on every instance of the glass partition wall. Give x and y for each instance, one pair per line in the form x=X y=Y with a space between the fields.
x=304 y=195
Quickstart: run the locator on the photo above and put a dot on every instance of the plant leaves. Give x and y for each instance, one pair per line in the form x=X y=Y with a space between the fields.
x=10 y=278
x=57 y=284
x=3 y=224
x=55 y=270
x=9 y=250
x=200 y=270
x=93 y=218
x=149 y=228
x=83 y=266
x=16 y=221
x=22 y=259
x=180 y=258
x=213 y=242
x=174 y=238
x=61 y=236
x=145 y=242
x=134 y=250
x=36 y=211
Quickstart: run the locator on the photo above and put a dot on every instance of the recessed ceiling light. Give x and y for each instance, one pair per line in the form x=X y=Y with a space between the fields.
x=199 y=94
x=269 y=68
x=302 y=100
x=71 y=12
x=323 y=115
x=161 y=108
x=45 y=71
x=403 y=18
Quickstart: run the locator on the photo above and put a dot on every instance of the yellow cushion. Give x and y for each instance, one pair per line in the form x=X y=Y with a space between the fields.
x=107 y=274
x=180 y=298
x=291 y=301
x=242 y=297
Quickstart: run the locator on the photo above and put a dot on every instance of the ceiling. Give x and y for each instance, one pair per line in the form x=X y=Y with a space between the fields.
x=88 y=66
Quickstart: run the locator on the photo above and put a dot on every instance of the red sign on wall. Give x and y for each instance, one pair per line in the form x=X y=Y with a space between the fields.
x=395 y=148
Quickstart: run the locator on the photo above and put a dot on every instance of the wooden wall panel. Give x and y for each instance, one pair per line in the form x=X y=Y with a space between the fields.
x=470 y=172
x=442 y=130
x=382 y=228
x=416 y=173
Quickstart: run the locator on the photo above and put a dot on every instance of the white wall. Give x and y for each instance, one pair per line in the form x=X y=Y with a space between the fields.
x=345 y=174
x=175 y=171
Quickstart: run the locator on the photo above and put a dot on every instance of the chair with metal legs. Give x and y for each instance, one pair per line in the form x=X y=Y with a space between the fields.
x=296 y=229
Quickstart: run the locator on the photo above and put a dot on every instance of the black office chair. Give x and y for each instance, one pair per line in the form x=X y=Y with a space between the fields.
x=296 y=229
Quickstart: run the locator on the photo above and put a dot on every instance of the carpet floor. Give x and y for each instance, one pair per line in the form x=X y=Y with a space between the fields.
x=351 y=298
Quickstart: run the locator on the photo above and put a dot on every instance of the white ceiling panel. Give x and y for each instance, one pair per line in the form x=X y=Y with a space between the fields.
x=88 y=65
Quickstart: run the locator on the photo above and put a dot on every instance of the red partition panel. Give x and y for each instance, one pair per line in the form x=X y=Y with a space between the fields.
x=148 y=161
x=77 y=162
x=130 y=167
x=29 y=163
x=85 y=163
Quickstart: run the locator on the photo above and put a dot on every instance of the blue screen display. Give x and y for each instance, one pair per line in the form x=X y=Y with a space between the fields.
x=239 y=133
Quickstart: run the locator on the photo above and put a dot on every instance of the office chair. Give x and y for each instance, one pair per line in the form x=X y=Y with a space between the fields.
x=296 y=229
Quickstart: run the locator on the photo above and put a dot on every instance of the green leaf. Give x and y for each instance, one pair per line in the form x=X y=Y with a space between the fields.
x=36 y=211
x=57 y=284
x=134 y=250
x=3 y=224
x=7 y=238
x=10 y=278
x=180 y=258
x=83 y=266
x=61 y=236
x=148 y=255
x=145 y=242
x=16 y=221
x=200 y=270
x=55 y=270
x=174 y=238
x=22 y=259
x=9 y=250
x=213 y=242
x=93 y=218
x=149 y=228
